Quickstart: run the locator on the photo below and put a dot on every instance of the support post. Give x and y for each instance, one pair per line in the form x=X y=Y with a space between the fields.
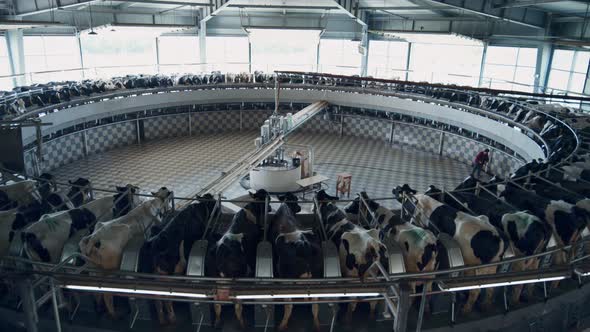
x=55 y=307
x=28 y=301
x=441 y=143
x=241 y=121
x=203 y=45
x=391 y=133
x=400 y=323
x=85 y=143
x=137 y=131
x=190 y=124
x=341 y=125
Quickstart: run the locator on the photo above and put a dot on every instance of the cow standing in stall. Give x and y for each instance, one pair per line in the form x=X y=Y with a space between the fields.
x=359 y=248
x=104 y=247
x=166 y=252
x=419 y=245
x=480 y=241
x=567 y=220
x=297 y=252
x=234 y=254
x=526 y=233
x=44 y=240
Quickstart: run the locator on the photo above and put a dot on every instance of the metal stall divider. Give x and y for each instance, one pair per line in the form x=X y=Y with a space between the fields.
x=264 y=314
x=140 y=307
x=395 y=259
x=195 y=267
x=327 y=312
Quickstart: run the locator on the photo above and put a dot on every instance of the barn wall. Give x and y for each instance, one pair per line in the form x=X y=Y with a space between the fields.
x=112 y=136
x=165 y=126
x=69 y=148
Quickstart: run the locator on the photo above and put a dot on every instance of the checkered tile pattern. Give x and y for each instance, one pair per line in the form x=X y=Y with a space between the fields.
x=416 y=137
x=104 y=138
x=377 y=167
x=253 y=119
x=62 y=150
x=465 y=150
x=318 y=124
x=29 y=164
x=183 y=164
x=215 y=122
x=165 y=126
x=366 y=128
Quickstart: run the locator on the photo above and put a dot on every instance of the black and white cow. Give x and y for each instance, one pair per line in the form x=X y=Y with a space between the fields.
x=79 y=191
x=104 y=247
x=297 y=252
x=358 y=248
x=527 y=233
x=567 y=220
x=44 y=240
x=419 y=245
x=234 y=253
x=23 y=193
x=479 y=240
x=166 y=252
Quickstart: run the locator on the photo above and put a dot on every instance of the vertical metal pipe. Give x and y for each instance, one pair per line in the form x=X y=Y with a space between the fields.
x=55 y=308
x=391 y=133
x=190 y=124
x=341 y=125
x=441 y=143
x=85 y=143
x=241 y=122
x=137 y=131
x=400 y=323
x=422 y=306
x=28 y=302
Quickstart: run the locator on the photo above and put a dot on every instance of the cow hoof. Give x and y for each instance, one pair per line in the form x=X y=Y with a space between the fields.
x=316 y=326
x=242 y=324
x=172 y=319
x=282 y=327
x=466 y=310
x=524 y=298
x=348 y=318
x=217 y=325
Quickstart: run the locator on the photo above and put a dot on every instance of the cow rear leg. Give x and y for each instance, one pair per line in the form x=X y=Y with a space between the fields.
x=531 y=287
x=473 y=295
x=108 y=301
x=217 y=309
x=315 y=310
x=171 y=314
x=489 y=295
x=349 y=312
x=372 y=307
x=428 y=286
x=517 y=290
x=160 y=312
x=558 y=260
x=238 y=310
x=286 y=317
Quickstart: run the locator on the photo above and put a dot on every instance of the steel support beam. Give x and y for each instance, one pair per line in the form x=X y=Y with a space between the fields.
x=529 y=17
x=524 y=3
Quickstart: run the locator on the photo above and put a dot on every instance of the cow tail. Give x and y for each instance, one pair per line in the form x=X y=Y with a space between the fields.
x=486 y=246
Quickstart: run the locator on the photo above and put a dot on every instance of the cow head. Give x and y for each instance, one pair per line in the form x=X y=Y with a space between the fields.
x=291 y=201
x=398 y=192
x=433 y=192
x=322 y=196
x=208 y=200
x=79 y=191
x=257 y=207
x=230 y=257
x=468 y=183
x=46 y=184
x=125 y=200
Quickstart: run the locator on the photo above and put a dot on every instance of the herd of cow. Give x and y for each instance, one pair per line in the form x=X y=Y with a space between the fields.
x=484 y=222
x=17 y=101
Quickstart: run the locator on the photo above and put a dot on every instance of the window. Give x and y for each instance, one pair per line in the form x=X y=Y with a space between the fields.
x=445 y=63
x=340 y=56
x=178 y=51
x=52 y=53
x=5 y=70
x=120 y=52
x=510 y=68
x=387 y=59
x=284 y=49
x=228 y=54
x=568 y=71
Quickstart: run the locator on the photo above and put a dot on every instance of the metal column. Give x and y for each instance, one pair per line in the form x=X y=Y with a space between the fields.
x=403 y=306
x=441 y=143
x=391 y=133
x=29 y=307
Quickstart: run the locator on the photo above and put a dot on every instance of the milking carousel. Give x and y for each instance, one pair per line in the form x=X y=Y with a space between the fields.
x=263 y=238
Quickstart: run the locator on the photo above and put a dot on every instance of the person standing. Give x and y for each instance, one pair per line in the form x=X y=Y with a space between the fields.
x=480 y=161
